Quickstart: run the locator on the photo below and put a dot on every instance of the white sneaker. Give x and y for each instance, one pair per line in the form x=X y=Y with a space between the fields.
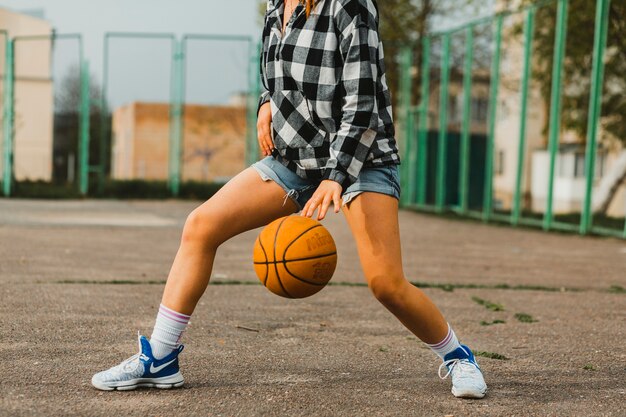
x=142 y=370
x=467 y=379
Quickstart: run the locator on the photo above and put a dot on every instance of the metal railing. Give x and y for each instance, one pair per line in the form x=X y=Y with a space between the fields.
x=416 y=129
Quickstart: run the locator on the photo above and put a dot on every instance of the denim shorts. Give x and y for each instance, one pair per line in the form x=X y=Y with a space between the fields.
x=382 y=180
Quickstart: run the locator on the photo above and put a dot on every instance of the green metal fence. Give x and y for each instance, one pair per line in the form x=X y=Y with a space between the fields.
x=34 y=67
x=182 y=83
x=443 y=155
x=93 y=100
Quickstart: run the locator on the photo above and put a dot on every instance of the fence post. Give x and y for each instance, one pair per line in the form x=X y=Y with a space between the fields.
x=406 y=59
x=465 y=128
x=442 y=153
x=422 y=145
x=83 y=146
x=176 y=115
x=9 y=116
x=555 y=104
x=493 y=108
x=595 y=107
x=529 y=29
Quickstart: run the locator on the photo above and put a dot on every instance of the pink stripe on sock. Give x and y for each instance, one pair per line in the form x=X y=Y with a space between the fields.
x=180 y=318
x=443 y=342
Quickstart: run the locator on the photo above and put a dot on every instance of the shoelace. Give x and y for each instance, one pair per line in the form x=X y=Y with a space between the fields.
x=129 y=365
x=462 y=364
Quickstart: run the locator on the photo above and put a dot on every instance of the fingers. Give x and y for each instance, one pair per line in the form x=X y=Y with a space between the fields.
x=337 y=202
x=265 y=139
x=321 y=213
x=309 y=207
x=264 y=129
x=327 y=192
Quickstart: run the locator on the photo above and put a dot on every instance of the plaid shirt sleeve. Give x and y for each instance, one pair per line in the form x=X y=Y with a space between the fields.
x=265 y=94
x=356 y=23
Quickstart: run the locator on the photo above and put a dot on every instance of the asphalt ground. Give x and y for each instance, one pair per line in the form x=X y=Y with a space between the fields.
x=78 y=279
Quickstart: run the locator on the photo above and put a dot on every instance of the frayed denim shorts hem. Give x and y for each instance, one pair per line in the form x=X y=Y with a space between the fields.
x=382 y=180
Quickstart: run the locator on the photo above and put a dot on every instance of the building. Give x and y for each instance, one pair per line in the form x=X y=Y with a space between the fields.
x=33 y=91
x=213 y=142
x=569 y=176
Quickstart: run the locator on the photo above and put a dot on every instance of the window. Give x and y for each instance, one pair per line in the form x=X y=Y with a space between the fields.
x=580 y=168
x=499 y=168
x=479 y=109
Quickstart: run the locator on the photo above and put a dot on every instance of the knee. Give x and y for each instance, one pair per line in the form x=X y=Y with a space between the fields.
x=201 y=228
x=389 y=289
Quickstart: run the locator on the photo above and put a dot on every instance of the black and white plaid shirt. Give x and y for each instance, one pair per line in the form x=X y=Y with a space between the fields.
x=325 y=80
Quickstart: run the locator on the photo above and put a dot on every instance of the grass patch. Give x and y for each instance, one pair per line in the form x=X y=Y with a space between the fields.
x=109 y=282
x=617 y=289
x=491 y=355
x=488 y=304
x=489 y=323
x=589 y=367
x=525 y=318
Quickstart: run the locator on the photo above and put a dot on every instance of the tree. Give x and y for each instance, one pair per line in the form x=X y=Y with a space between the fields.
x=404 y=22
x=66 y=120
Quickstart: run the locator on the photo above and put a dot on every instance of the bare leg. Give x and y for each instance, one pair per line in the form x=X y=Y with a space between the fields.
x=245 y=203
x=373 y=219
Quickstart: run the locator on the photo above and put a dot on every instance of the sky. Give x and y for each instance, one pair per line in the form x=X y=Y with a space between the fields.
x=141 y=69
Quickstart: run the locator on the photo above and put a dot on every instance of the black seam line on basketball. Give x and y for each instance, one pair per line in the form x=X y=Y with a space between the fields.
x=316 y=284
x=275 y=264
x=296 y=260
x=267 y=270
x=296 y=238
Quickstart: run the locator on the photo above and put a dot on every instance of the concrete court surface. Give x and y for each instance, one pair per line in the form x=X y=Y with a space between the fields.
x=79 y=278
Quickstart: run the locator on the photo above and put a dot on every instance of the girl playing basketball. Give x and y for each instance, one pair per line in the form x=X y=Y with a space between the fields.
x=325 y=128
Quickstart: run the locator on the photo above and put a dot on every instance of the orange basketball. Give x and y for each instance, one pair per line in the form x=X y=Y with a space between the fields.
x=295 y=257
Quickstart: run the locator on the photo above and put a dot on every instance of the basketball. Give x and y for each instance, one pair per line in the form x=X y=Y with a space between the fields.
x=295 y=257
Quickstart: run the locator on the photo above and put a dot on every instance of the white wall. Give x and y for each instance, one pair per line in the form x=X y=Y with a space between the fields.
x=33 y=98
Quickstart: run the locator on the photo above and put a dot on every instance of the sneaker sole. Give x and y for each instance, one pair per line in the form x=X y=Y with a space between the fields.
x=468 y=393
x=166 y=382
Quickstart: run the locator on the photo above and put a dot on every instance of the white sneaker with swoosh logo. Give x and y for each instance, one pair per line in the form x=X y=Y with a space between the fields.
x=142 y=370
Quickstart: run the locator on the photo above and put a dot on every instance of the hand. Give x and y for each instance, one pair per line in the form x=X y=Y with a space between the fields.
x=264 y=129
x=328 y=191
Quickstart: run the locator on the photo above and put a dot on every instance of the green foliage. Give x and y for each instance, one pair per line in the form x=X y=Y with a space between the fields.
x=525 y=318
x=617 y=289
x=589 y=367
x=139 y=189
x=578 y=64
x=488 y=304
x=491 y=355
x=489 y=323
x=132 y=189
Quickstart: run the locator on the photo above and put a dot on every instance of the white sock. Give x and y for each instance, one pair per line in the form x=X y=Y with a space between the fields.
x=447 y=345
x=168 y=330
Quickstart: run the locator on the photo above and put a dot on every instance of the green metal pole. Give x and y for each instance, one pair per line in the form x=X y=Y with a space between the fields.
x=83 y=146
x=104 y=111
x=595 y=107
x=9 y=117
x=422 y=146
x=465 y=128
x=529 y=29
x=555 y=104
x=176 y=118
x=406 y=59
x=442 y=153
x=493 y=107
